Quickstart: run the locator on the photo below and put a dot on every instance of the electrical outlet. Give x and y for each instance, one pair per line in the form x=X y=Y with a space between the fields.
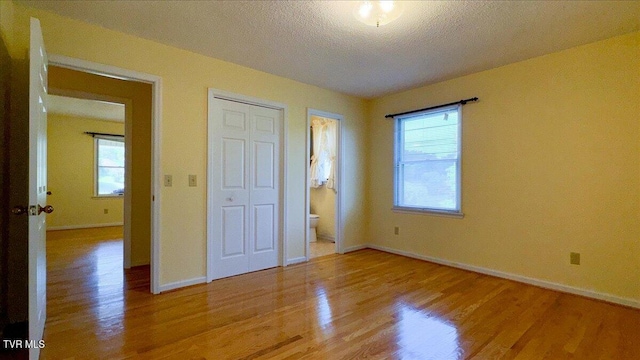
x=396 y=230
x=106 y=211
x=168 y=180
x=574 y=258
x=193 y=180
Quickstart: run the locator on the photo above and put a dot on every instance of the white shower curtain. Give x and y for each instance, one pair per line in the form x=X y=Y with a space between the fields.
x=323 y=160
x=317 y=161
x=330 y=131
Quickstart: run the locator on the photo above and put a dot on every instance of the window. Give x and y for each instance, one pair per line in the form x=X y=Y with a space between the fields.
x=427 y=161
x=109 y=166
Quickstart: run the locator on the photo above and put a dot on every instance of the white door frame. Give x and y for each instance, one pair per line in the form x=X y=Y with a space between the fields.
x=156 y=120
x=224 y=95
x=338 y=174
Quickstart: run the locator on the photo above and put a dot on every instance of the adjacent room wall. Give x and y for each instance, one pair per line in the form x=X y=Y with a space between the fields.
x=186 y=77
x=71 y=163
x=551 y=165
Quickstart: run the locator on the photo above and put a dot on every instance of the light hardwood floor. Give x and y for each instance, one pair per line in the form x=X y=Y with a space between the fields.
x=367 y=304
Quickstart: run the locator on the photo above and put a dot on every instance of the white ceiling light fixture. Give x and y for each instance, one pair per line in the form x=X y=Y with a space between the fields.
x=376 y=13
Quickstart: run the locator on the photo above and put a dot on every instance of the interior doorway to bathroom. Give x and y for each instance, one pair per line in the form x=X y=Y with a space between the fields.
x=323 y=190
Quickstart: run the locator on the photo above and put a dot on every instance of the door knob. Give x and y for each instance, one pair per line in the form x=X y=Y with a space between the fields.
x=47 y=209
x=31 y=210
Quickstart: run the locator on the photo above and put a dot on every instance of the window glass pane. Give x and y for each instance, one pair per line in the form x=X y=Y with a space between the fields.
x=430 y=184
x=110 y=181
x=110 y=174
x=431 y=137
x=110 y=153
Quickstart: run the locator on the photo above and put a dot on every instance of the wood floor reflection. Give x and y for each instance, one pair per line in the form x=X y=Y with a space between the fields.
x=366 y=304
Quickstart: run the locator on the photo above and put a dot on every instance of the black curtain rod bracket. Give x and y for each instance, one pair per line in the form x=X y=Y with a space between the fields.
x=461 y=102
x=102 y=134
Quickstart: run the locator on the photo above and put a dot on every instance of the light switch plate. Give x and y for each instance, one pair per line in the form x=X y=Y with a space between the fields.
x=168 y=180
x=193 y=181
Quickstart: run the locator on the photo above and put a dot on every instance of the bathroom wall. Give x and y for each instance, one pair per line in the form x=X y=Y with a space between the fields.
x=323 y=203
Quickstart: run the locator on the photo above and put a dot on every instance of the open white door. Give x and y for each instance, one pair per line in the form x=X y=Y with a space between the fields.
x=37 y=186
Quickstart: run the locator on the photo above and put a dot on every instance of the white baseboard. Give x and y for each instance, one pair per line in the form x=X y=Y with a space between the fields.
x=355 y=248
x=88 y=226
x=297 y=260
x=183 y=283
x=519 y=278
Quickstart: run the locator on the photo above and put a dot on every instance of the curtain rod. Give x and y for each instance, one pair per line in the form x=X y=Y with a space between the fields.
x=462 y=102
x=103 y=134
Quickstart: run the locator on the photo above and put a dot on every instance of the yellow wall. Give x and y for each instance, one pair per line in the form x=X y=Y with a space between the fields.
x=6 y=24
x=551 y=165
x=186 y=77
x=71 y=161
x=323 y=203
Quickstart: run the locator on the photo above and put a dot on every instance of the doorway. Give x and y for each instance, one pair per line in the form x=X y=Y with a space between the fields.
x=79 y=78
x=323 y=224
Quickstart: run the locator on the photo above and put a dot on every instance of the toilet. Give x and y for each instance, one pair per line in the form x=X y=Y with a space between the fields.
x=313 y=223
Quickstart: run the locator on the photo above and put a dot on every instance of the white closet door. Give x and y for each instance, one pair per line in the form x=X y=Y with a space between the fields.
x=263 y=200
x=245 y=208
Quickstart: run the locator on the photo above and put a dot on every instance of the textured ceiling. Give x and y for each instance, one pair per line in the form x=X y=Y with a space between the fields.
x=92 y=109
x=321 y=43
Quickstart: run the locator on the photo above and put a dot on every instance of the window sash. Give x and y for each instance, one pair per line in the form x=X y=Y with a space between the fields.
x=400 y=164
x=98 y=167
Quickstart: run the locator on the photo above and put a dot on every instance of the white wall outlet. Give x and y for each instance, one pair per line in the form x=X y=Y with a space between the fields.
x=168 y=180
x=193 y=181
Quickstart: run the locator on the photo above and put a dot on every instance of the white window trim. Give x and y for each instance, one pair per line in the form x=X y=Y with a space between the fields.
x=96 y=138
x=396 y=156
